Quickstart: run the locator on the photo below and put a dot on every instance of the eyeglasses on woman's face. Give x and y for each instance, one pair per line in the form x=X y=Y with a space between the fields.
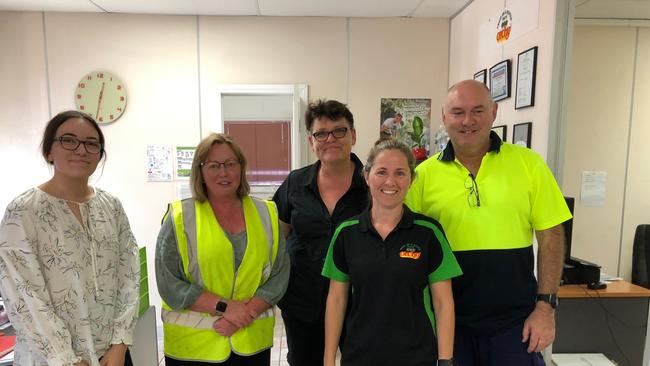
x=71 y=143
x=338 y=133
x=214 y=166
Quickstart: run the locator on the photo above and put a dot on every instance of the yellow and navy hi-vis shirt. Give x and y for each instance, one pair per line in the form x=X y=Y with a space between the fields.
x=491 y=240
x=390 y=320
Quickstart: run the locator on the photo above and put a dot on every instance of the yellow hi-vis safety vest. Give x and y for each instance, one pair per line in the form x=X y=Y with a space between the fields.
x=208 y=260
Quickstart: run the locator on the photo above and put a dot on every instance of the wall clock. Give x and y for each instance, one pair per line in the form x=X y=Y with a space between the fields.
x=101 y=95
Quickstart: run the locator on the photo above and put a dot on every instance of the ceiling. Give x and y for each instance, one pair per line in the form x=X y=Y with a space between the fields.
x=330 y=8
x=611 y=9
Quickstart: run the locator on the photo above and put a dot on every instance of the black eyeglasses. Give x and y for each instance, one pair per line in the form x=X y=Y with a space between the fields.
x=473 y=199
x=72 y=143
x=338 y=133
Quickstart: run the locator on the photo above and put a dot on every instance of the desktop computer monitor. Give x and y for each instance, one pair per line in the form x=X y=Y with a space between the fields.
x=577 y=271
x=568 y=229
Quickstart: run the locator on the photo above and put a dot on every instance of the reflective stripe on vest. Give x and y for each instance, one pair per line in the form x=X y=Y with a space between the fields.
x=209 y=262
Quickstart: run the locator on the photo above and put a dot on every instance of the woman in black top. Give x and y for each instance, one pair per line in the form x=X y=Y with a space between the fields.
x=311 y=202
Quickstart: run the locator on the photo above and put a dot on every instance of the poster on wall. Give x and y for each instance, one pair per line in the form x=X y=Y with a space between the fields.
x=500 y=80
x=526 y=73
x=407 y=120
x=184 y=157
x=159 y=163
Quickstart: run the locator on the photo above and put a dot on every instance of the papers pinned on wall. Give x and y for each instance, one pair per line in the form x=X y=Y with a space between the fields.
x=593 y=191
x=159 y=163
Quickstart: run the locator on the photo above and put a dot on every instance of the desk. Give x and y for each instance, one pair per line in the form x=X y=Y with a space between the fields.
x=612 y=321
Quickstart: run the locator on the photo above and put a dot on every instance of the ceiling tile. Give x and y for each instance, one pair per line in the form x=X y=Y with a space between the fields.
x=440 y=8
x=338 y=8
x=331 y=8
x=44 y=5
x=618 y=9
x=187 y=7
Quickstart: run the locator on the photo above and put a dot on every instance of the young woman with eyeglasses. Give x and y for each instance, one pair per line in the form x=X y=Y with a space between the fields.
x=69 y=267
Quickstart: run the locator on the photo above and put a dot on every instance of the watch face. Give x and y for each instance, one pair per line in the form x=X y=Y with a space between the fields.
x=101 y=95
x=221 y=306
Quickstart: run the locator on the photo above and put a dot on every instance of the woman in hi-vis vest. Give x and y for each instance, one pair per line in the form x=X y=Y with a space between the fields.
x=221 y=265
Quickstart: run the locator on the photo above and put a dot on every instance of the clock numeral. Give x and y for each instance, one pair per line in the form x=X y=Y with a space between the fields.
x=89 y=77
x=110 y=116
x=82 y=107
x=101 y=119
x=82 y=85
x=119 y=109
x=78 y=96
x=119 y=87
x=100 y=75
x=121 y=99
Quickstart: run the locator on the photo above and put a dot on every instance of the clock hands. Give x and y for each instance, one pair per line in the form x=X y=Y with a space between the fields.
x=99 y=102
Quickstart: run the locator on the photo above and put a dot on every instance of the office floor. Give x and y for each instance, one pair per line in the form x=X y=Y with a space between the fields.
x=278 y=352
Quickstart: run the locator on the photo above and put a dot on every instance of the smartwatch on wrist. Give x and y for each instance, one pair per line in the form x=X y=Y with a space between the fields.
x=221 y=307
x=445 y=362
x=549 y=298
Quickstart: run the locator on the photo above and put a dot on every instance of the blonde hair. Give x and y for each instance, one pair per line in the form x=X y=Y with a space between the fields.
x=199 y=189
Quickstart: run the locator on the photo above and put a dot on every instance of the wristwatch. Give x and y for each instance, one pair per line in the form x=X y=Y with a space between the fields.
x=445 y=362
x=221 y=307
x=549 y=298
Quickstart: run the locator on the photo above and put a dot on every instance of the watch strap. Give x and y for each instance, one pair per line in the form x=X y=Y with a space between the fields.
x=445 y=362
x=549 y=298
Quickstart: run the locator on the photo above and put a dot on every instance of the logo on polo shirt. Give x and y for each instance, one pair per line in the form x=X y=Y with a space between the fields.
x=410 y=251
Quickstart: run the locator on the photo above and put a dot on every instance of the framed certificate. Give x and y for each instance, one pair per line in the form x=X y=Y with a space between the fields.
x=480 y=76
x=502 y=131
x=526 y=73
x=521 y=133
x=500 y=80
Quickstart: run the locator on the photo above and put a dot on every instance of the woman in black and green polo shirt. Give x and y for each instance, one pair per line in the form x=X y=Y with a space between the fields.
x=399 y=265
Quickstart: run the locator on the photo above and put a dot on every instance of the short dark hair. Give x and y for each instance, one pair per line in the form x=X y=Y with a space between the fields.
x=49 y=135
x=331 y=109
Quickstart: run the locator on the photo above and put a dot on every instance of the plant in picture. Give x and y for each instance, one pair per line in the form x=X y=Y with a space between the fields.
x=416 y=134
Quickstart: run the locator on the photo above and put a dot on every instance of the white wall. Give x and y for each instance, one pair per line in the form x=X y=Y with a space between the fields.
x=473 y=47
x=607 y=128
x=172 y=65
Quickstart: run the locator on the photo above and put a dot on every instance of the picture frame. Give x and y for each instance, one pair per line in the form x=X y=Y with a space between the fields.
x=521 y=134
x=502 y=131
x=500 y=80
x=526 y=76
x=481 y=76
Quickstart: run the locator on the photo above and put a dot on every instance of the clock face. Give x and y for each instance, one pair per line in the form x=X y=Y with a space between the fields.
x=101 y=95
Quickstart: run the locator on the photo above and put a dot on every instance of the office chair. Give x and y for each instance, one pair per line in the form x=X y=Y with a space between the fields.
x=641 y=256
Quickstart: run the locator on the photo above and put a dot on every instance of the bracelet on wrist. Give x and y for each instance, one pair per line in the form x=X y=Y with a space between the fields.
x=445 y=362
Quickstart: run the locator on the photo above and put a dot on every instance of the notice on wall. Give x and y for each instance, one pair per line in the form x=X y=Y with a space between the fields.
x=184 y=157
x=593 y=189
x=159 y=163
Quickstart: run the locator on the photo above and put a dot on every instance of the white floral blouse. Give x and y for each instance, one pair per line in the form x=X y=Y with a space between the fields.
x=70 y=290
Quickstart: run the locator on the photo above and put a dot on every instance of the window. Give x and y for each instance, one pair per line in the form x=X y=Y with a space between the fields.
x=266 y=145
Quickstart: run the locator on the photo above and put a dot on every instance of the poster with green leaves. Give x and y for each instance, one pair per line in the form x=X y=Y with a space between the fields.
x=407 y=120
